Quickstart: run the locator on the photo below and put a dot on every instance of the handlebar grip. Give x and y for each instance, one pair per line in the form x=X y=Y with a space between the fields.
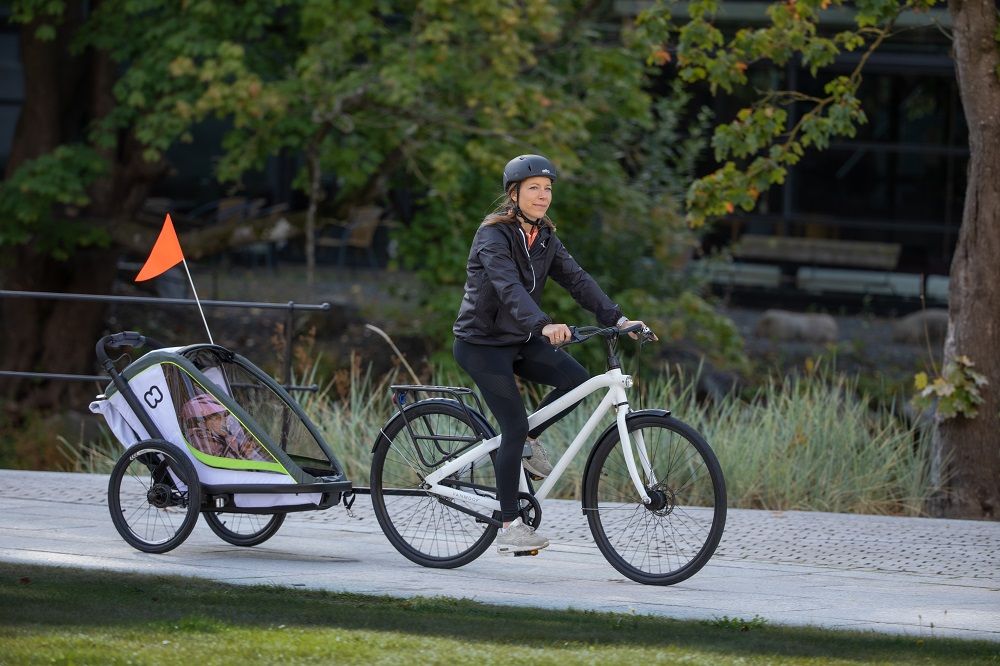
x=124 y=339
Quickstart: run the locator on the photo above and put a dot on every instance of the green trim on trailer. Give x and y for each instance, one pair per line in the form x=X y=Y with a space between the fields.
x=177 y=354
x=284 y=463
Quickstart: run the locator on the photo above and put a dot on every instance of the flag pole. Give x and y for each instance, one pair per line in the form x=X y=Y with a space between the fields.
x=198 y=301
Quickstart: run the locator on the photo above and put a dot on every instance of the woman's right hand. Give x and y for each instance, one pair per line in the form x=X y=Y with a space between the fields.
x=557 y=333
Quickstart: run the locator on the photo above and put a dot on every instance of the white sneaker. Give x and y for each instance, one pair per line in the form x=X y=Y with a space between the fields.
x=519 y=538
x=538 y=464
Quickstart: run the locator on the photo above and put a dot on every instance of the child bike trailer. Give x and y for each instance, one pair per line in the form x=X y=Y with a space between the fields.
x=207 y=432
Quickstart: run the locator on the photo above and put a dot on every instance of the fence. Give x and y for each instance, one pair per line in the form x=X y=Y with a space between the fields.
x=290 y=307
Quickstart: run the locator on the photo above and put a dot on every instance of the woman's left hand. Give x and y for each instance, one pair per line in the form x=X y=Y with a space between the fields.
x=634 y=335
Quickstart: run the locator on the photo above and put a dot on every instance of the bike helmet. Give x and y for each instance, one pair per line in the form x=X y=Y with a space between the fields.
x=526 y=166
x=200 y=406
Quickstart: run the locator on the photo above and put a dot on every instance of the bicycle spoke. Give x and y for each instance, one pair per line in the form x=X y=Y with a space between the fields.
x=421 y=527
x=674 y=535
x=146 y=507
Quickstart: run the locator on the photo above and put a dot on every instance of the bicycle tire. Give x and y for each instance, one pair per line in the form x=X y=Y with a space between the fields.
x=420 y=527
x=154 y=496
x=671 y=539
x=244 y=529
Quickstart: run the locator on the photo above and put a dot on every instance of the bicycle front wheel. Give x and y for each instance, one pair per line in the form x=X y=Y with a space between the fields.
x=673 y=537
x=418 y=524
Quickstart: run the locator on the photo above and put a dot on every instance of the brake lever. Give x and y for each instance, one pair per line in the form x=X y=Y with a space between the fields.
x=574 y=338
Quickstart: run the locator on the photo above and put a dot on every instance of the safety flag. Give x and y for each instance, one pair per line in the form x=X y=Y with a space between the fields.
x=165 y=255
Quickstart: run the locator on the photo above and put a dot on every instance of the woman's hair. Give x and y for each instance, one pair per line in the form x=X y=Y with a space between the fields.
x=504 y=212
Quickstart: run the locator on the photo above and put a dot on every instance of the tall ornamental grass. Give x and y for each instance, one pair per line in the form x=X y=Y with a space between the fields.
x=811 y=443
x=804 y=443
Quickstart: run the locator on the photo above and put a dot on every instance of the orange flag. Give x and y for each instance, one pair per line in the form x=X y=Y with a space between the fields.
x=165 y=255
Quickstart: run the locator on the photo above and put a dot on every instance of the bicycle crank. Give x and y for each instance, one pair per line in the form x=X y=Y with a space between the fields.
x=531 y=513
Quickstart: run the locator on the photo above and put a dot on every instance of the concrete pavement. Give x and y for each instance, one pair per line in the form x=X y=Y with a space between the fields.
x=917 y=576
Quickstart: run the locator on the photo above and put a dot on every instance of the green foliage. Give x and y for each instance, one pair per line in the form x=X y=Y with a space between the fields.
x=738 y=623
x=155 y=46
x=381 y=93
x=690 y=318
x=176 y=59
x=756 y=148
x=42 y=198
x=47 y=14
x=957 y=391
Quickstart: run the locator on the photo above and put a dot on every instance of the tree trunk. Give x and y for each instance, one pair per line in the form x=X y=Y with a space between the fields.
x=63 y=92
x=54 y=336
x=39 y=130
x=972 y=446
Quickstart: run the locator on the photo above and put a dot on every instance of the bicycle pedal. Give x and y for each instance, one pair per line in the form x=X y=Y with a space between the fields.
x=525 y=553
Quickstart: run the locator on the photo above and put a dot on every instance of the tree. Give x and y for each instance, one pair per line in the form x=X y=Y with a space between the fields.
x=757 y=147
x=437 y=95
x=379 y=95
x=101 y=105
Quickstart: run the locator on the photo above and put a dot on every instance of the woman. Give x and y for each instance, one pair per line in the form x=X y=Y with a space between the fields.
x=501 y=330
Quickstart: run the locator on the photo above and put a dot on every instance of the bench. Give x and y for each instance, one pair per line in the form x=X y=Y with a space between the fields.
x=817 y=252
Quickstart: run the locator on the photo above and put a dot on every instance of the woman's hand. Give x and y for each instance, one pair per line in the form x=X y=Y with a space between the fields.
x=557 y=333
x=634 y=335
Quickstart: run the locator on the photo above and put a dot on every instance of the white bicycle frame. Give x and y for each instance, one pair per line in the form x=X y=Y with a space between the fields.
x=616 y=383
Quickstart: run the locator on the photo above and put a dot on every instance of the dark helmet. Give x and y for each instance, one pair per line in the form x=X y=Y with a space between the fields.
x=526 y=166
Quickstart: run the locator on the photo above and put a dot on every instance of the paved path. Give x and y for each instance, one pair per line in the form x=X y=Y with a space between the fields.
x=916 y=576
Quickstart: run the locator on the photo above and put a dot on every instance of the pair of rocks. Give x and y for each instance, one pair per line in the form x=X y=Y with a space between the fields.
x=797 y=326
x=930 y=325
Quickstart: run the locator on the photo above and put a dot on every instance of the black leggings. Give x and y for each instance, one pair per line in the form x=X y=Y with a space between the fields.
x=493 y=370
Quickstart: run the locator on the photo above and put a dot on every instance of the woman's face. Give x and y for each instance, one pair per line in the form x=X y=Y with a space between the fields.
x=535 y=197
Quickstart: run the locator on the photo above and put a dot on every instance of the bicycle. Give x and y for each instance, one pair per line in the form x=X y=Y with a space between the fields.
x=656 y=506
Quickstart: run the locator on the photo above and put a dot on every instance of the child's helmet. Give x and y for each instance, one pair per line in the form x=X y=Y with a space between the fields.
x=200 y=406
x=526 y=166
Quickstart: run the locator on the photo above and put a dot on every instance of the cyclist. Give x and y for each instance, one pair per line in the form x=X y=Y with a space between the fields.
x=501 y=330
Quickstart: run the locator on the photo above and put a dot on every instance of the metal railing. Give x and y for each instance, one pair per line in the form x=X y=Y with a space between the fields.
x=291 y=307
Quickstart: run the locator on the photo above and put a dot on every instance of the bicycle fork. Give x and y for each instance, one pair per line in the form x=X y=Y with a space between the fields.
x=621 y=412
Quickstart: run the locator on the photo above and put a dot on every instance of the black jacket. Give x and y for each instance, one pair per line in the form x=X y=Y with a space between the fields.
x=504 y=286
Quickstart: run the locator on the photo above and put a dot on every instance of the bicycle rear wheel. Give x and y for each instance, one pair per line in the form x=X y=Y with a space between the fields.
x=673 y=537
x=418 y=524
x=244 y=529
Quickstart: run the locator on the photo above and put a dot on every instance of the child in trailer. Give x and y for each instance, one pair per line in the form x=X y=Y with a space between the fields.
x=211 y=429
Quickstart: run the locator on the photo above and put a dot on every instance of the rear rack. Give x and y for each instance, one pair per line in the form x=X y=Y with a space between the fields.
x=457 y=393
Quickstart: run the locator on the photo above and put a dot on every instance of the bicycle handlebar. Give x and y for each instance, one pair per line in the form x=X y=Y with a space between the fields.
x=580 y=334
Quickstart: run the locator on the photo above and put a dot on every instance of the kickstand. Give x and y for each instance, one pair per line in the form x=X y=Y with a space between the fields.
x=349 y=499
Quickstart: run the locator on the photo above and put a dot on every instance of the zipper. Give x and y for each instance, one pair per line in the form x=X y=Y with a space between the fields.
x=527 y=253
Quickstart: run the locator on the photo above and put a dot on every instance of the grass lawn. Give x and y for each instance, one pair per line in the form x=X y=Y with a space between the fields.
x=67 y=616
